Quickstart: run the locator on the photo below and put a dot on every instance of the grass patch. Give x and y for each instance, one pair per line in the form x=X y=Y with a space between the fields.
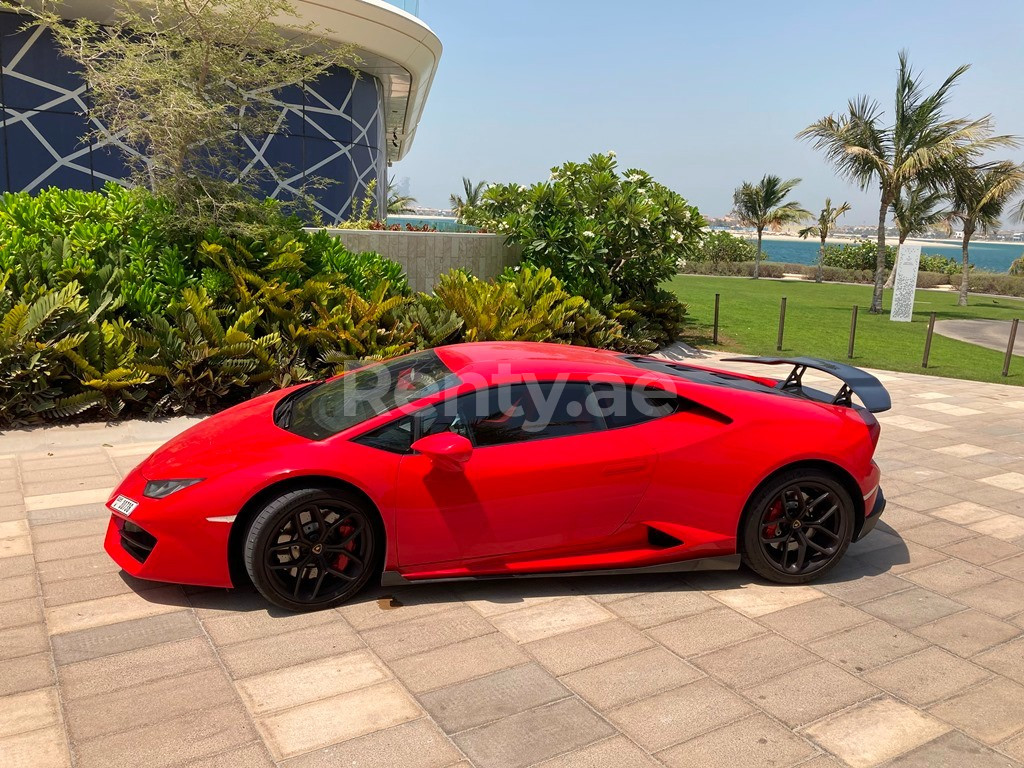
x=818 y=325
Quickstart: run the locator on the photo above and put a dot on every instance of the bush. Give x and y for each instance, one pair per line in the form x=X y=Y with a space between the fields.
x=991 y=282
x=721 y=246
x=859 y=255
x=734 y=268
x=1017 y=268
x=605 y=236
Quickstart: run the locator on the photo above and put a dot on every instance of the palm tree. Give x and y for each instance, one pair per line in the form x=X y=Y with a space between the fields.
x=921 y=145
x=826 y=223
x=916 y=210
x=765 y=205
x=397 y=202
x=978 y=195
x=473 y=194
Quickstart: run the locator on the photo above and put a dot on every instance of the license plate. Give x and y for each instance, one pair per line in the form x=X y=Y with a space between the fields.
x=124 y=505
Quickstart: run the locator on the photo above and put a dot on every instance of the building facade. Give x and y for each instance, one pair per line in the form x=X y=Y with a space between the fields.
x=343 y=130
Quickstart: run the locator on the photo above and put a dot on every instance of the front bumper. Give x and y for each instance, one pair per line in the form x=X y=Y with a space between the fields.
x=870 y=520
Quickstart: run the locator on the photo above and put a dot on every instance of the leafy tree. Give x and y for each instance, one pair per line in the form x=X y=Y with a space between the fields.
x=718 y=247
x=471 y=196
x=826 y=223
x=178 y=81
x=921 y=145
x=978 y=196
x=765 y=205
x=916 y=210
x=605 y=236
x=397 y=202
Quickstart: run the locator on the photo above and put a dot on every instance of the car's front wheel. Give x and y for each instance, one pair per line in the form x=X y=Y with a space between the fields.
x=797 y=527
x=312 y=548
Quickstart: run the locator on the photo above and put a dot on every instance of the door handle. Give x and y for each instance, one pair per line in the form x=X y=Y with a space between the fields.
x=627 y=468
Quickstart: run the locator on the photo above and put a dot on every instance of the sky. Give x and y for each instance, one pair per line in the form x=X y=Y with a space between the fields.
x=703 y=95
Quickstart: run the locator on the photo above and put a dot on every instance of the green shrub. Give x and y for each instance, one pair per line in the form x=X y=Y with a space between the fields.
x=859 y=255
x=992 y=282
x=718 y=246
x=1017 y=268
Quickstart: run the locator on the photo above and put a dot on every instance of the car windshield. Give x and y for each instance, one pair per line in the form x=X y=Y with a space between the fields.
x=326 y=409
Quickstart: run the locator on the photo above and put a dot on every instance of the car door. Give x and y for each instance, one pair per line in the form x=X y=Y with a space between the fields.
x=544 y=474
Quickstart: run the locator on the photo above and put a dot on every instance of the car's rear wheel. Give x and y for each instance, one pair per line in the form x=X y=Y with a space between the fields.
x=312 y=548
x=797 y=527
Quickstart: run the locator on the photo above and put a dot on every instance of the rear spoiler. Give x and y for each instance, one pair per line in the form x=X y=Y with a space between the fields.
x=855 y=381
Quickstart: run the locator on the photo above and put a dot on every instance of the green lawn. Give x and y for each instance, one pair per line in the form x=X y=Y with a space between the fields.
x=818 y=325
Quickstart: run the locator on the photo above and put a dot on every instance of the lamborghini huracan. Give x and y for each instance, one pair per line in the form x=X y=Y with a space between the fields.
x=507 y=459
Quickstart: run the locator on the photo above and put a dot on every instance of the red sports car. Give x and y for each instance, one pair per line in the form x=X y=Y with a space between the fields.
x=508 y=459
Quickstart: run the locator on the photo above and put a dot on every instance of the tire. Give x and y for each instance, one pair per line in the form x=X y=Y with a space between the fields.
x=797 y=527
x=313 y=548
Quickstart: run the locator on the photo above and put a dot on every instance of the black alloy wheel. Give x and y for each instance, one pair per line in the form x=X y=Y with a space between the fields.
x=798 y=527
x=312 y=548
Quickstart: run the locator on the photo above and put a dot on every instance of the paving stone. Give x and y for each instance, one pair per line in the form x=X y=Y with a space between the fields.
x=44 y=748
x=15 y=546
x=288 y=649
x=675 y=716
x=926 y=677
x=551 y=618
x=16 y=566
x=533 y=736
x=912 y=608
x=989 y=712
x=809 y=693
x=337 y=719
x=964 y=513
x=621 y=681
x=485 y=699
x=76 y=568
x=58 y=550
x=982 y=550
x=70 y=514
x=458 y=662
x=417 y=744
x=396 y=641
x=113 y=610
x=497 y=597
x=867 y=646
x=875 y=731
x=753 y=662
x=1006 y=660
x=1011 y=481
x=124 y=636
x=1013 y=747
x=252 y=625
x=953 y=750
x=28 y=711
x=77 y=481
x=146 y=704
x=1004 y=527
x=863 y=588
x=900 y=560
x=23 y=640
x=755 y=741
x=616 y=752
x=169 y=743
x=706 y=632
x=812 y=620
x=967 y=633
x=70 y=530
x=17 y=613
x=379 y=609
x=253 y=755
x=655 y=608
x=572 y=651
x=1001 y=598
x=68 y=498
x=938 y=534
x=94 y=587
x=755 y=599
x=25 y=673
x=1013 y=567
x=950 y=576
x=315 y=680
x=137 y=667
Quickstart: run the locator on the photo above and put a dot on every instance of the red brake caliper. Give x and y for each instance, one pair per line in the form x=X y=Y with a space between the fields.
x=772 y=531
x=342 y=561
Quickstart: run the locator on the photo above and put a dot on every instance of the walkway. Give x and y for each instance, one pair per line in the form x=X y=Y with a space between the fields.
x=912 y=654
x=993 y=334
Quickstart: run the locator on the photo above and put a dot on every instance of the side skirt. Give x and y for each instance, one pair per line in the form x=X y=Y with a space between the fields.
x=724 y=563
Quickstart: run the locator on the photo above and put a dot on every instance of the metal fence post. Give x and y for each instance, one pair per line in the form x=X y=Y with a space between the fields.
x=782 y=323
x=715 y=336
x=853 y=332
x=1009 y=347
x=928 y=340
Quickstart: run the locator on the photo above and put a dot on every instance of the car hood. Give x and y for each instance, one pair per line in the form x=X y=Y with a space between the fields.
x=240 y=436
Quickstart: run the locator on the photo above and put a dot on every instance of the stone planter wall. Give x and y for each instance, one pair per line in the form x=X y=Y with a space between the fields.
x=427 y=255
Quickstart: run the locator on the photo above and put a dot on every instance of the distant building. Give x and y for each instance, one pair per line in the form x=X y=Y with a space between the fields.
x=342 y=128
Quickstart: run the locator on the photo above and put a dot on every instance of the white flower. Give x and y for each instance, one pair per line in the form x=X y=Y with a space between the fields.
x=611 y=153
x=588 y=233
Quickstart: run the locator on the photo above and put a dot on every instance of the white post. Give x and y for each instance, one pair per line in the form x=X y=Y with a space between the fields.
x=907 y=263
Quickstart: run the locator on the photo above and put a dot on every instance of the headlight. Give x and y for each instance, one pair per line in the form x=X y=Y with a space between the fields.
x=159 y=489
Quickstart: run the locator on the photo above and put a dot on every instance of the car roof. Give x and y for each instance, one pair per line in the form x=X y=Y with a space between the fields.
x=489 y=358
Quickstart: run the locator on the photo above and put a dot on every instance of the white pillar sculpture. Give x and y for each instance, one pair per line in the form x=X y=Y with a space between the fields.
x=907 y=263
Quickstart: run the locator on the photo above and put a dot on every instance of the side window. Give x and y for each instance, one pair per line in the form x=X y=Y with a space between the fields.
x=624 y=406
x=522 y=412
x=395 y=437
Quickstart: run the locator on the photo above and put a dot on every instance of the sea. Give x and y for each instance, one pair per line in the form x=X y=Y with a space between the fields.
x=990 y=257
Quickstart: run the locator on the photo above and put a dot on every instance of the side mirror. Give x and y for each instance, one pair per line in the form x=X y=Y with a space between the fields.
x=446 y=449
